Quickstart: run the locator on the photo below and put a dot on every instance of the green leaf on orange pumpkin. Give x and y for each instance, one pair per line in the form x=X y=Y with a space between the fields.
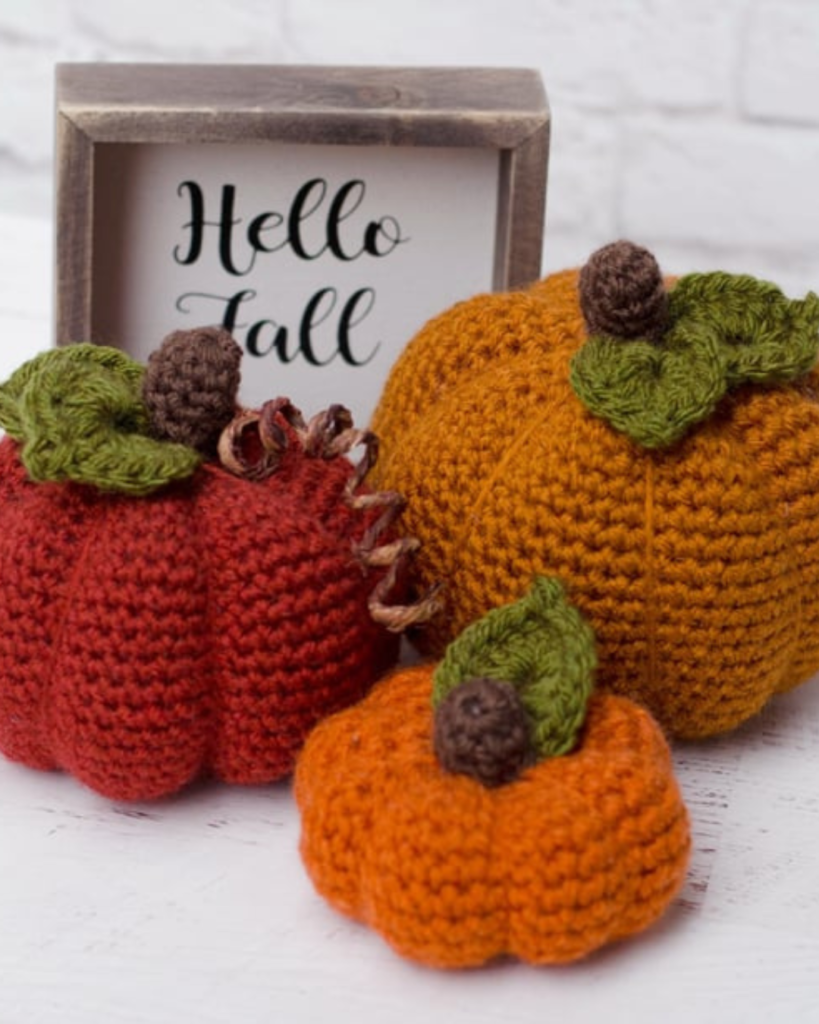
x=543 y=647
x=725 y=330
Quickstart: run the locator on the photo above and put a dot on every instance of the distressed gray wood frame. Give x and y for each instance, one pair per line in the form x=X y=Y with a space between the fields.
x=484 y=108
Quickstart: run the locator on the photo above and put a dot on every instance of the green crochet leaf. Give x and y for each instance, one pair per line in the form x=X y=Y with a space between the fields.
x=544 y=648
x=79 y=415
x=764 y=337
x=725 y=330
x=651 y=393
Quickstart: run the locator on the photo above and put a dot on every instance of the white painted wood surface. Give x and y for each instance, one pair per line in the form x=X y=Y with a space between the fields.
x=197 y=908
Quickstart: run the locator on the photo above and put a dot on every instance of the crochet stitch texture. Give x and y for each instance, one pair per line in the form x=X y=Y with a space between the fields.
x=544 y=648
x=577 y=851
x=696 y=561
x=79 y=413
x=201 y=628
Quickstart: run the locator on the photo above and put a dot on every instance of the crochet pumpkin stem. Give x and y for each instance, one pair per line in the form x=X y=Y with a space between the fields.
x=622 y=293
x=541 y=647
x=481 y=729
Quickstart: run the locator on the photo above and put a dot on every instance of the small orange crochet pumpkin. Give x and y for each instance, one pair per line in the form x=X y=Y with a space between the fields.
x=654 y=445
x=519 y=817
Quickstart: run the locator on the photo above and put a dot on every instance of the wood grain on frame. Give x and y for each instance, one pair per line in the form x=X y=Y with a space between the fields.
x=483 y=108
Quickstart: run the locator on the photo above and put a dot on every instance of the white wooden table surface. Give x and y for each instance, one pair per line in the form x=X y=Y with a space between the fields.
x=197 y=908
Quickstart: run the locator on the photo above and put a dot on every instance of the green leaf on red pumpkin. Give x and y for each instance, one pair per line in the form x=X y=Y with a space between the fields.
x=78 y=414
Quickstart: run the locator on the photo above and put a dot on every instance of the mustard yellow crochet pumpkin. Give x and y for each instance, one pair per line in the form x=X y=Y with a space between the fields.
x=653 y=444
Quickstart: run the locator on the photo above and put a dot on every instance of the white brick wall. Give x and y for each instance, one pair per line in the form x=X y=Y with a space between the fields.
x=780 y=72
x=689 y=125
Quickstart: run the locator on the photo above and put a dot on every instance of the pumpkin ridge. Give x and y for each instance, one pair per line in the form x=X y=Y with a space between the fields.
x=442 y=884
x=457 y=537
x=767 y=482
x=416 y=683
x=791 y=561
x=517 y=443
x=34 y=746
x=503 y=908
x=50 y=688
x=209 y=658
x=130 y=714
x=560 y=401
x=647 y=784
x=650 y=605
x=283 y=691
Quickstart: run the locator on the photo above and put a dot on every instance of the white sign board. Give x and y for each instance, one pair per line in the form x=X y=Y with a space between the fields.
x=322 y=261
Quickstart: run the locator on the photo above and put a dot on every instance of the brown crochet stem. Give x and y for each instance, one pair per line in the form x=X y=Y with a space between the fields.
x=481 y=729
x=190 y=387
x=252 y=446
x=622 y=293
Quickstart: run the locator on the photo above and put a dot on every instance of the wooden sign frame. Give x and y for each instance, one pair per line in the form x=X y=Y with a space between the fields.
x=99 y=105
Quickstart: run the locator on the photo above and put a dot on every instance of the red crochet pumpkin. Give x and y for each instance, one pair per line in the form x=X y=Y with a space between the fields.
x=202 y=628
